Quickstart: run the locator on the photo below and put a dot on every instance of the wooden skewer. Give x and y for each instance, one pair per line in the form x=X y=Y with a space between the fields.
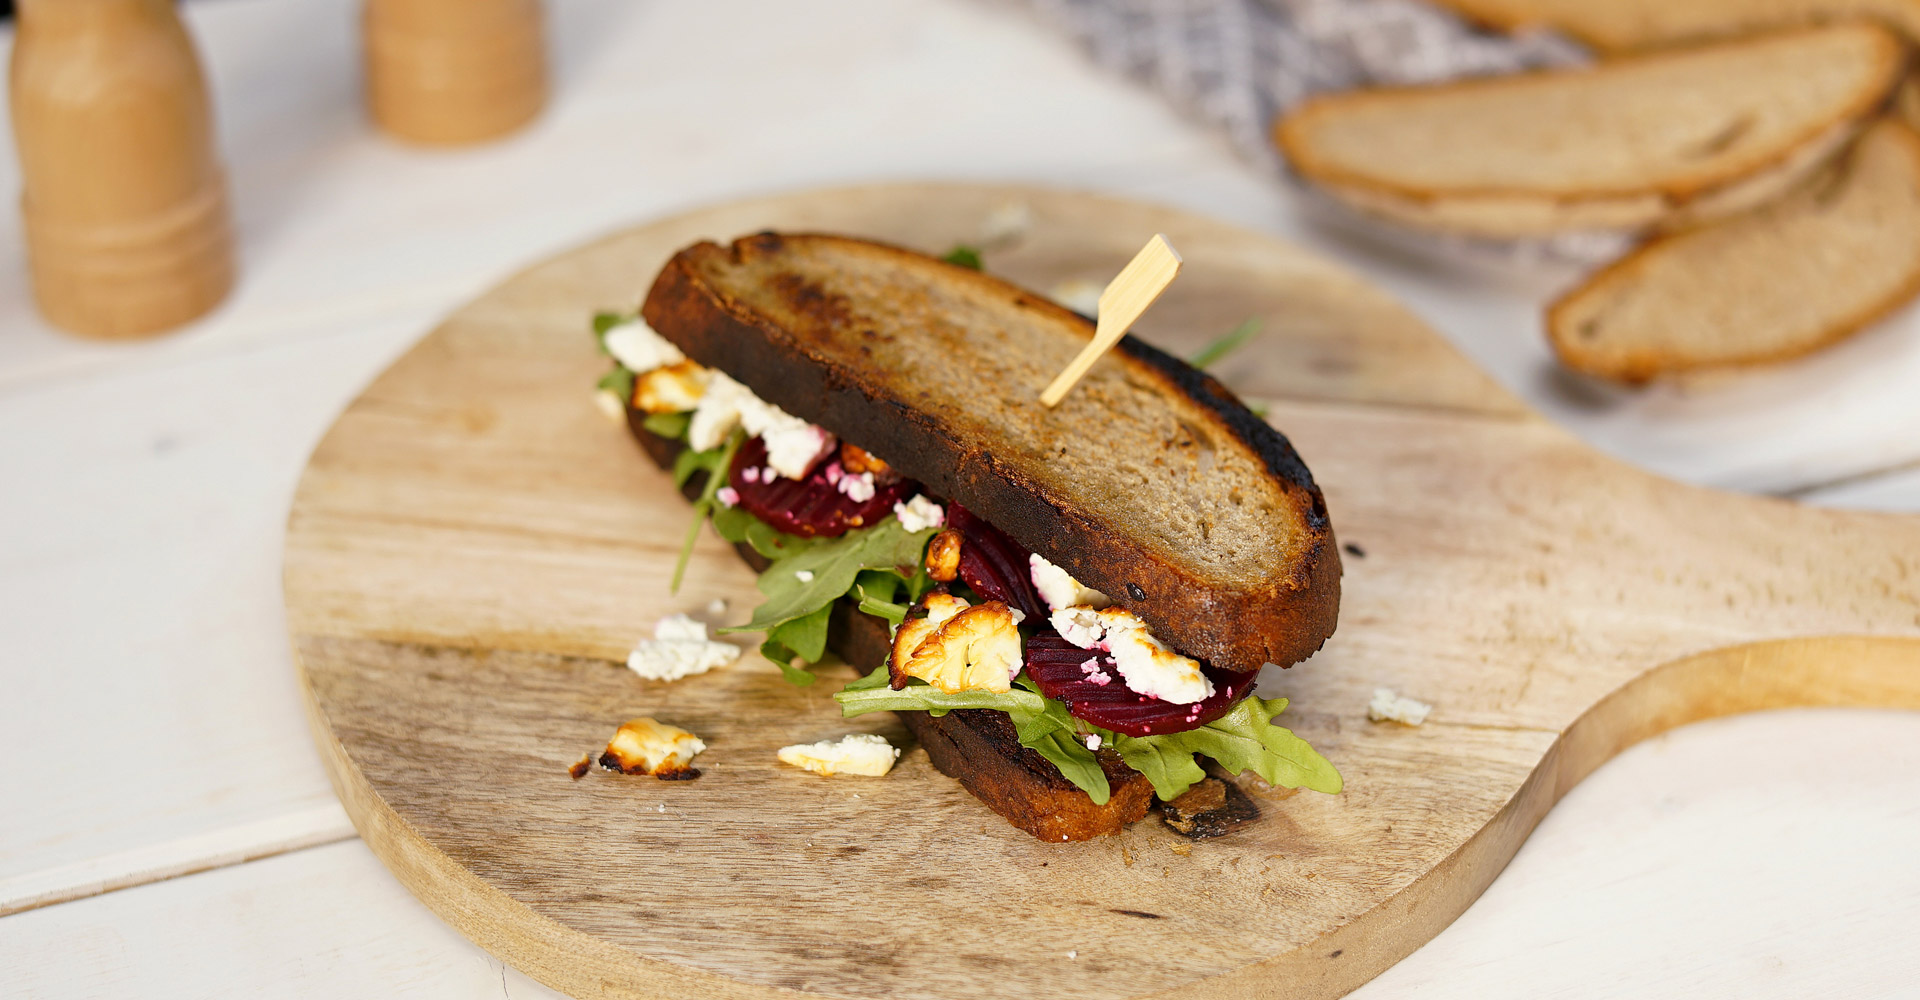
x=1125 y=298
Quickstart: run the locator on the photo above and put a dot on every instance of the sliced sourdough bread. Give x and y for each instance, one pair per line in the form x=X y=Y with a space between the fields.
x=1627 y=25
x=1645 y=141
x=1778 y=282
x=1150 y=482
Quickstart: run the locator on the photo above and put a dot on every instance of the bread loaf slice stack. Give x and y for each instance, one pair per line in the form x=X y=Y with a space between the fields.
x=1651 y=141
x=1626 y=25
x=1775 y=283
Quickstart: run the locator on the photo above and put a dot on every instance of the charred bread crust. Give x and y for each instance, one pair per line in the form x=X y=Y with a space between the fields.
x=1284 y=619
x=977 y=747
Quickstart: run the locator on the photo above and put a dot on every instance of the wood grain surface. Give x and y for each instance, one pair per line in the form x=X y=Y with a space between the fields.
x=474 y=548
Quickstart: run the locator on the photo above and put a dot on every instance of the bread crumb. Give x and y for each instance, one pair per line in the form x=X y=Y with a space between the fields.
x=1181 y=849
x=1389 y=707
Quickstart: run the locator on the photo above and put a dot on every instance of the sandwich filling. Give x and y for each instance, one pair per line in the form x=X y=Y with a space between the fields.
x=978 y=621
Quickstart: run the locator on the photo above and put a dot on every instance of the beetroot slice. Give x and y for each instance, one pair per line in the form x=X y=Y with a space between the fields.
x=812 y=507
x=994 y=565
x=1056 y=666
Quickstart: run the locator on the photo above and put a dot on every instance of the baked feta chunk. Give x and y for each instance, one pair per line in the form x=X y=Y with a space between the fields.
x=679 y=648
x=639 y=349
x=1389 y=707
x=648 y=746
x=1144 y=663
x=1058 y=587
x=857 y=753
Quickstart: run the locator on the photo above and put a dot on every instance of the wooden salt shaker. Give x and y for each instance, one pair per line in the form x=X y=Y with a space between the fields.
x=123 y=199
x=447 y=72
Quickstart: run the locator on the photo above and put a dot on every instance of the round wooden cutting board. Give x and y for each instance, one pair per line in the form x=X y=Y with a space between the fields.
x=474 y=548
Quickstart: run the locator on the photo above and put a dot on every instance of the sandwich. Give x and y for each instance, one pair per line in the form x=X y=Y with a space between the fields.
x=1069 y=608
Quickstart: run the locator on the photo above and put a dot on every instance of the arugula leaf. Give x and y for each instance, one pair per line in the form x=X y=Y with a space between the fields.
x=804 y=637
x=965 y=256
x=876 y=590
x=1038 y=722
x=804 y=581
x=619 y=381
x=1232 y=341
x=876 y=678
x=1242 y=740
x=604 y=321
x=672 y=426
x=714 y=462
x=1168 y=764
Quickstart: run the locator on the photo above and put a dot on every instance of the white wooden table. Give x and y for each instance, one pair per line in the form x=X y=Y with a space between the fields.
x=165 y=828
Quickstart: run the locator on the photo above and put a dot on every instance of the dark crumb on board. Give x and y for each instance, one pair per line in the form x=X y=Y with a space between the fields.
x=579 y=768
x=677 y=774
x=1355 y=551
x=1212 y=808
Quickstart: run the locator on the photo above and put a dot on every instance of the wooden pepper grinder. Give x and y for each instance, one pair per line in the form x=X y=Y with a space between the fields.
x=447 y=72
x=123 y=198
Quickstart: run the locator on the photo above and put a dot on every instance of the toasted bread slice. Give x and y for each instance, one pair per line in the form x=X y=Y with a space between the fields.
x=1781 y=281
x=1652 y=140
x=1150 y=482
x=1627 y=25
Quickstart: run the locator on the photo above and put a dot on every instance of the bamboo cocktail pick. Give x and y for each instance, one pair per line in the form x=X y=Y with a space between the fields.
x=1126 y=297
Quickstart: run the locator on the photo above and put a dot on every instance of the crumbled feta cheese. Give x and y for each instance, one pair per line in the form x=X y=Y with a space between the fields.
x=1008 y=222
x=1093 y=741
x=717 y=414
x=1389 y=707
x=803 y=575
x=794 y=447
x=751 y=473
x=858 y=753
x=858 y=488
x=611 y=405
x=728 y=496
x=679 y=648
x=1059 y=589
x=1080 y=626
x=1145 y=664
x=717 y=607
x=919 y=514
x=638 y=348
x=646 y=746
x=1079 y=295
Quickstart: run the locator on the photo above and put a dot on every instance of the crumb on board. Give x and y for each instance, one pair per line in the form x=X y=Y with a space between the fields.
x=1387 y=706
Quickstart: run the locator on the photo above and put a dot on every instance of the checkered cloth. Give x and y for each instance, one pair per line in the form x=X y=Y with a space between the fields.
x=1236 y=64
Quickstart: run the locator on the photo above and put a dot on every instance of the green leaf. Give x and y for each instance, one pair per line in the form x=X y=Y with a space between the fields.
x=1038 y=723
x=782 y=657
x=672 y=426
x=619 y=381
x=876 y=590
x=1076 y=763
x=965 y=256
x=1226 y=345
x=802 y=582
x=1167 y=763
x=806 y=636
x=1244 y=739
x=714 y=462
x=876 y=678
x=923 y=697
x=604 y=321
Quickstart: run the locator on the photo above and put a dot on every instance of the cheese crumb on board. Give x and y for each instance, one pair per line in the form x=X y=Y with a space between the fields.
x=648 y=746
x=679 y=648
x=856 y=753
x=1389 y=707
